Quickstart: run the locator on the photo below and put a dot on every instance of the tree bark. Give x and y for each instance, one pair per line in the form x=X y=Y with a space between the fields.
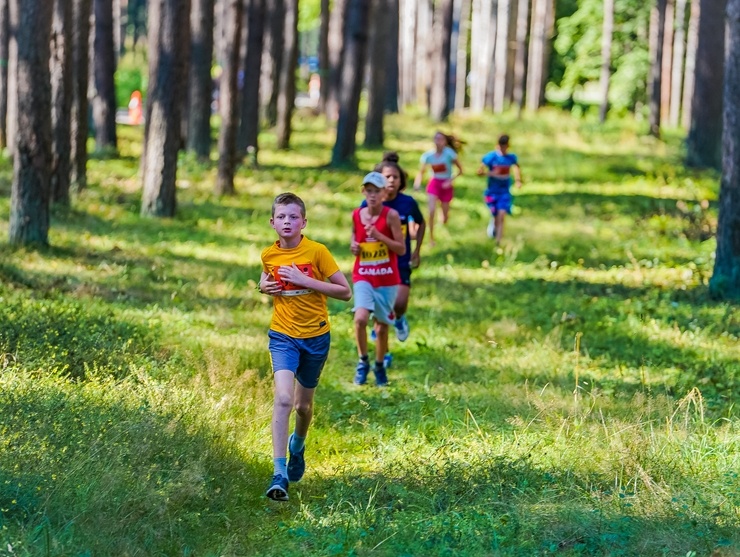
x=425 y=45
x=80 y=78
x=607 y=30
x=483 y=34
x=690 y=70
x=657 y=29
x=461 y=67
x=392 y=70
x=249 y=127
x=501 y=55
x=287 y=85
x=4 y=55
x=61 y=93
x=704 y=141
x=379 y=53
x=229 y=101
x=104 y=68
x=168 y=29
x=353 y=68
x=674 y=113
x=440 y=87
x=12 y=111
x=667 y=63
x=520 y=58
x=29 y=198
x=407 y=51
x=324 y=55
x=725 y=281
x=337 y=33
x=272 y=59
x=200 y=82
x=538 y=53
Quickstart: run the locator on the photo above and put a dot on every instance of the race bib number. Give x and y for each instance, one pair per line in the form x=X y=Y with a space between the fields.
x=290 y=289
x=373 y=253
x=439 y=167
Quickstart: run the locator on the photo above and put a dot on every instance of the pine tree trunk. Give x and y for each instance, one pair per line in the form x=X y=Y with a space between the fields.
x=607 y=31
x=29 y=198
x=425 y=44
x=169 y=27
x=725 y=281
x=11 y=127
x=200 y=84
x=482 y=39
x=674 y=115
x=4 y=55
x=407 y=51
x=229 y=101
x=324 y=55
x=535 y=67
x=104 y=68
x=353 y=66
x=704 y=141
x=657 y=29
x=81 y=12
x=501 y=55
x=667 y=63
x=391 y=71
x=520 y=58
x=287 y=85
x=61 y=93
x=249 y=127
x=337 y=34
x=461 y=68
x=440 y=87
x=690 y=70
x=379 y=53
x=272 y=59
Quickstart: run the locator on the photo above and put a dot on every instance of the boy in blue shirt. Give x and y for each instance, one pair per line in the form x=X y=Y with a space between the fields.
x=499 y=165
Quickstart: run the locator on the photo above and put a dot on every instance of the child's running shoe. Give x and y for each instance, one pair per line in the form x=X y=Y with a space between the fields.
x=381 y=379
x=361 y=371
x=278 y=490
x=402 y=328
x=373 y=335
x=296 y=463
x=491 y=229
x=387 y=360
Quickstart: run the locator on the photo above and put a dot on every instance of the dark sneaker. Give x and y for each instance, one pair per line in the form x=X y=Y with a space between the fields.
x=296 y=463
x=278 y=490
x=402 y=328
x=387 y=360
x=363 y=368
x=381 y=379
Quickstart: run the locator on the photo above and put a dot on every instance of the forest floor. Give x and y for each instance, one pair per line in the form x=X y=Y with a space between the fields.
x=571 y=392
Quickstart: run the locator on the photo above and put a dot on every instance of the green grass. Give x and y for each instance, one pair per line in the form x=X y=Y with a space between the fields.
x=572 y=392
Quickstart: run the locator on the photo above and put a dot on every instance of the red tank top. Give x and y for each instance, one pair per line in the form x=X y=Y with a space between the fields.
x=375 y=263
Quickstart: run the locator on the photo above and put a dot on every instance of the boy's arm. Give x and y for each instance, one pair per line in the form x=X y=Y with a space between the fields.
x=338 y=287
x=482 y=170
x=517 y=174
x=269 y=286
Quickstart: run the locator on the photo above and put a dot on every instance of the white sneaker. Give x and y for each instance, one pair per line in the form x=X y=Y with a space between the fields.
x=491 y=230
x=402 y=328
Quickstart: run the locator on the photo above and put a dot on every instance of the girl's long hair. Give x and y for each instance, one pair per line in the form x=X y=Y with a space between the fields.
x=453 y=141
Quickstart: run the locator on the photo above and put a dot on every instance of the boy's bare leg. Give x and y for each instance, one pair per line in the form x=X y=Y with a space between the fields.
x=303 y=409
x=500 y=225
x=381 y=345
x=362 y=316
x=283 y=405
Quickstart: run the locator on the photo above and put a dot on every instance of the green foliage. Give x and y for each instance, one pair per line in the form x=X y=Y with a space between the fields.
x=131 y=75
x=571 y=392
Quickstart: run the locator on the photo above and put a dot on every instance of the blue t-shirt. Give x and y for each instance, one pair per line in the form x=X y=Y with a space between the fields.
x=441 y=163
x=501 y=165
x=406 y=207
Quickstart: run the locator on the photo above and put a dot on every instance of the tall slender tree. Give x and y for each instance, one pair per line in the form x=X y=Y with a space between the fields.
x=323 y=54
x=12 y=110
x=379 y=53
x=81 y=12
x=229 y=100
x=61 y=92
x=461 y=66
x=358 y=12
x=4 y=55
x=679 y=49
x=482 y=39
x=542 y=11
x=690 y=70
x=336 y=40
x=287 y=85
x=407 y=51
x=704 y=141
x=657 y=30
x=392 y=67
x=520 y=58
x=272 y=59
x=667 y=63
x=29 y=198
x=501 y=55
x=249 y=125
x=725 y=281
x=607 y=30
x=104 y=69
x=439 y=105
x=169 y=28
x=200 y=85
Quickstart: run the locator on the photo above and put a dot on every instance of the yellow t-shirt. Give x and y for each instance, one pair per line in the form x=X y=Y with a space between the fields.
x=298 y=312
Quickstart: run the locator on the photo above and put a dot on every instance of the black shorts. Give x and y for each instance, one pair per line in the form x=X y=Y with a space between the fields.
x=405 y=273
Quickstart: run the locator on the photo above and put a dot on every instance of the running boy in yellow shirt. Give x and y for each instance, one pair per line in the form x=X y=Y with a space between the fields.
x=295 y=271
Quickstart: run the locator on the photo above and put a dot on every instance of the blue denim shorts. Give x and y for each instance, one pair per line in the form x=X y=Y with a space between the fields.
x=305 y=357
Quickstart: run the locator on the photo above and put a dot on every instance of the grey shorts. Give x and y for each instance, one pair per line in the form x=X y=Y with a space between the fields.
x=379 y=300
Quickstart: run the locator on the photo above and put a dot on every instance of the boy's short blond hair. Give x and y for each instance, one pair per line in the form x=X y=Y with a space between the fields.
x=288 y=198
